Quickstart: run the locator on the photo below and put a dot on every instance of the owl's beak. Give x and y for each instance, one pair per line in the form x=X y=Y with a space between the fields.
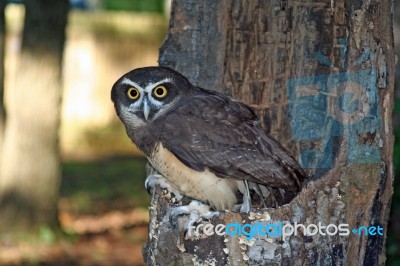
x=146 y=109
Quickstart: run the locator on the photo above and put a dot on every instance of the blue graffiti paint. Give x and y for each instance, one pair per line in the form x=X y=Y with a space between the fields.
x=342 y=104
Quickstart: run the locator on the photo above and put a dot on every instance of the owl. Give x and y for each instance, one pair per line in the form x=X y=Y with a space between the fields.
x=206 y=145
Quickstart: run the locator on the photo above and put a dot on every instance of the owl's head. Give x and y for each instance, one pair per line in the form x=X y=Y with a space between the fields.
x=143 y=94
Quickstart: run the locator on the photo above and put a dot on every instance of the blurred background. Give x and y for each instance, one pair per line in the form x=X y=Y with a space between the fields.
x=102 y=206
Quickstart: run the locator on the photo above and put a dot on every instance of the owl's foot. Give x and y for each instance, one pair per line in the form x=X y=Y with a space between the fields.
x=197 y=212
x=169 y=190
x=262 y=192
x=246 y=205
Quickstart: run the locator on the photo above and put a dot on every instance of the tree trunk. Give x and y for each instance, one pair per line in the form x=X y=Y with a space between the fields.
x=2 y=49
x=320 y=75
x=30 y=172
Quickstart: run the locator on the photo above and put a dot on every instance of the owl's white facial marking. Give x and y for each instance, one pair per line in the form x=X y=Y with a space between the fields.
x=146 y=99
x=149 y=89
x=131 y=118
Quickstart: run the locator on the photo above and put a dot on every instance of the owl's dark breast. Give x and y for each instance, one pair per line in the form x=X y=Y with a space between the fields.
x=202 y=185
x=145 y=138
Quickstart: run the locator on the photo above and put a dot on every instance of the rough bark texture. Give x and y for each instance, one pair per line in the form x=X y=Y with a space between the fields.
x=320 y=75
x=30 y=170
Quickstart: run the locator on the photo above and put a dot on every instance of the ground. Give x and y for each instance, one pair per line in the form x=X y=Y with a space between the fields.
x=103 y=213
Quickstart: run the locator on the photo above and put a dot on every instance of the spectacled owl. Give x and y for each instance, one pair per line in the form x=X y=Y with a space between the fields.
x=210 y=147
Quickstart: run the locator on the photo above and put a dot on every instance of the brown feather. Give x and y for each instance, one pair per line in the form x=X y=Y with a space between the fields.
x=210 y=131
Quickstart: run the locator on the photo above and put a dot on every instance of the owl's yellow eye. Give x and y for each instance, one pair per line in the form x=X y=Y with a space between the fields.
x=133 y=93
x=160 y=92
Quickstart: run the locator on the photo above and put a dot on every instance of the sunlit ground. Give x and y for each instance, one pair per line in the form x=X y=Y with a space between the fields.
x=103 y=206
x=103 y=212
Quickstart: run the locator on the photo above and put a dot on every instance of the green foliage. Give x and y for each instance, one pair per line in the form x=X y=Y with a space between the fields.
x=47 y=235
x=396 y=152
x=149 y=28
x=98 y=186
x=135 y=5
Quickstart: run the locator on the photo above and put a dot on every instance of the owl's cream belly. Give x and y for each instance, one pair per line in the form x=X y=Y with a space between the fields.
x=204 y=186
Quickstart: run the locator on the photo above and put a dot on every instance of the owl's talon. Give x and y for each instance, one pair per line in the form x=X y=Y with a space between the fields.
x=197 y=212
x=246 y=206
x=168 y=190
x=173 y=198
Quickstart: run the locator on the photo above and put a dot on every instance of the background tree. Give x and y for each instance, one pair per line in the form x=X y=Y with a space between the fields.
x=30 y=167
x=320 y=75
x=2 y=49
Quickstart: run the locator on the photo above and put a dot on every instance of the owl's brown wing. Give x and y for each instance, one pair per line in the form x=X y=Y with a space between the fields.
x=214 y=132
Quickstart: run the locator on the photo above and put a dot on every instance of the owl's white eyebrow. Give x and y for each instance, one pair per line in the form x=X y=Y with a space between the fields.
x=131 y=83
x=151 y=86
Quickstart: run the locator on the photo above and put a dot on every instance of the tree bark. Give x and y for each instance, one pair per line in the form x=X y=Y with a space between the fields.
x=30 y=172
x=320 y=75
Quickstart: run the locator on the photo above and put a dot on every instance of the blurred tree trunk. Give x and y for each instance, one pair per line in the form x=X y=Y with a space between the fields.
x=30 y=168
x=2 y=49
x=320 y=75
